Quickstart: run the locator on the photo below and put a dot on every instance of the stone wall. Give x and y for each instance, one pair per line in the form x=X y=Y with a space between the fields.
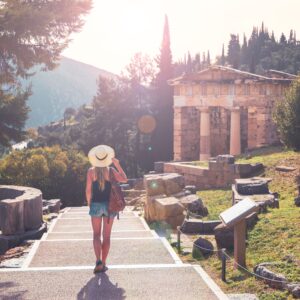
x=220 y=173
x=186 y=133
x=219 y=130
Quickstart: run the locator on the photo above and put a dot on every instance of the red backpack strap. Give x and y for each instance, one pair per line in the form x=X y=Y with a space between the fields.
x=111 y=175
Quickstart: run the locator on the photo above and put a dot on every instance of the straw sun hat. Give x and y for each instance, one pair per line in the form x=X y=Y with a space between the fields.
x=101 y=156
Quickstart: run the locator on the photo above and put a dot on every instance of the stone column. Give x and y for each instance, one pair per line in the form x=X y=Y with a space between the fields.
x=178 y=134
x=204 y=133
x=235 y=131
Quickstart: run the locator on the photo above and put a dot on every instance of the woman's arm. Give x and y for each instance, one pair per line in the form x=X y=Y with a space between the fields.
x=88 y=188
x=120 y=175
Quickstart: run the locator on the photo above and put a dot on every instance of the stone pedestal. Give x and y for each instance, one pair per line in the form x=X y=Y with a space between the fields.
x=204 y=134
x=235 y=132
x=162 y=203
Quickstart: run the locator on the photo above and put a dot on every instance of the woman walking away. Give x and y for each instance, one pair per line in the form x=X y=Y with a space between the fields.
x=98 y=189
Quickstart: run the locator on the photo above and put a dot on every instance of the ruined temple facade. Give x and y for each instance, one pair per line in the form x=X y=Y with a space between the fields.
x=223 y=110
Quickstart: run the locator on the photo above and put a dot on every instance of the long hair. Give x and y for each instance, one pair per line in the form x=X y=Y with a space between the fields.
x=100 y=176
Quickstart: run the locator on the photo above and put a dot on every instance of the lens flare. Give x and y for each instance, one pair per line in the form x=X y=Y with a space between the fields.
x=146 y=124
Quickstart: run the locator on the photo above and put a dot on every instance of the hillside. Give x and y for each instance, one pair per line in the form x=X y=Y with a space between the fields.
x=71 y=84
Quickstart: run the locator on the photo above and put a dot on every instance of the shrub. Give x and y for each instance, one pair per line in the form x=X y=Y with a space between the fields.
x=57 y=173
x=287 y=116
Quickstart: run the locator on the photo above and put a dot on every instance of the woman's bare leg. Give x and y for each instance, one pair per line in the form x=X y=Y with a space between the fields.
x=107 y=226
x=96 y=223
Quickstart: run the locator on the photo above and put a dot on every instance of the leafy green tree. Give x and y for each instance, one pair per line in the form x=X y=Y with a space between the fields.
x=287 y=116
x=13 y=114
x=32 y=33
x=139 y=75
x=112 y=121
x=56 y=172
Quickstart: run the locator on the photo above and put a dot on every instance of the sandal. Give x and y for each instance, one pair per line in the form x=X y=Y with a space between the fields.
x=99 y=267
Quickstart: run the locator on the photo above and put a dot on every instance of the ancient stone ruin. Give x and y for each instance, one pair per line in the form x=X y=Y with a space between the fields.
x=224 y=110
x=21 y=214
x=220 y=172
x=167 y=199
x=255 y=188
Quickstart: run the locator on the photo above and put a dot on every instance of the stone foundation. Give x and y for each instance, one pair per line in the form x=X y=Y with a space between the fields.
x=21 y=209
x=220 y=173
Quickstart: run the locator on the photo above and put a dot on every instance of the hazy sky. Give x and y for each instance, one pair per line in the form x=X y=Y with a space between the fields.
x=116 y=29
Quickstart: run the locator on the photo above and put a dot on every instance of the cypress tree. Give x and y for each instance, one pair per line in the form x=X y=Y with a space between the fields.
x=204 y=65
x=208 y=58
x=223 y=56
x=234 y=49
x=197 y=62
x=283 y=40
x=244 y=51
x=189 y=64
x=162 y=138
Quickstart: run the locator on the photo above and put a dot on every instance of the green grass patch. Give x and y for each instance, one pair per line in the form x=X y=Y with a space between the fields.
x=216 y=201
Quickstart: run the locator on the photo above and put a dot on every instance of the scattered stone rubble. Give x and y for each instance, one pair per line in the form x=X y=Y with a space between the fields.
x=134 y=193
x=202 y=246
x=51 y=206
x=167 y=199
x=275 y=280
x=255 y=188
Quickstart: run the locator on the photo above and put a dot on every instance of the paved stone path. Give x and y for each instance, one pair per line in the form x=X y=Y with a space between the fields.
x=141 y=264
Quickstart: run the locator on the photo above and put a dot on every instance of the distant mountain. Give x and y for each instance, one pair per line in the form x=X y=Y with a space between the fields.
x=71 y=84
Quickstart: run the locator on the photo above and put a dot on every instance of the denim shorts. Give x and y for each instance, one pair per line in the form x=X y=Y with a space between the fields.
x=100 y=209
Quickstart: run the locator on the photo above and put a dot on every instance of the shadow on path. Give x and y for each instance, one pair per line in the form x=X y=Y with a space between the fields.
x=100 y=287
x=6 y=294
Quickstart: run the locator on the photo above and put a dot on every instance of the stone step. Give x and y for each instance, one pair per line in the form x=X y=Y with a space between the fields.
x=178 y=282
x=89 y=235
x=78 y=225
x=123 y=252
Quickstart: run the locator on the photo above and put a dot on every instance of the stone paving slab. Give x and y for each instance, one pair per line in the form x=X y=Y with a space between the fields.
x=116 y=284
x=89 y=235
x=85 y=225
x=80 y=253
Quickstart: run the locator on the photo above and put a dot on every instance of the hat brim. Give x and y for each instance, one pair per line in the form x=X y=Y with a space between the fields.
x=103 y=162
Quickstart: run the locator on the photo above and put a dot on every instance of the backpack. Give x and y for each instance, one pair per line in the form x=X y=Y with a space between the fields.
x=116 y=200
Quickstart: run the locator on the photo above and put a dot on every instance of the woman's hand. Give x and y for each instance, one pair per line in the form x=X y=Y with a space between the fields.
x=120 y=175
